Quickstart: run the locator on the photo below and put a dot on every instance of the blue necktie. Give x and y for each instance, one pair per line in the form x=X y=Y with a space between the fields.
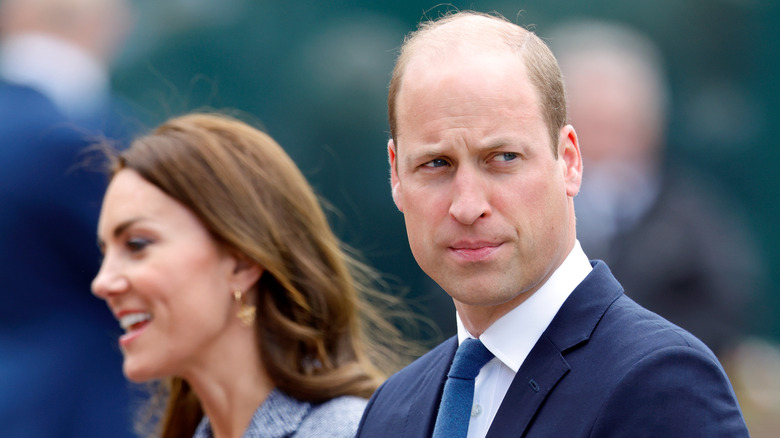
x=455 y=408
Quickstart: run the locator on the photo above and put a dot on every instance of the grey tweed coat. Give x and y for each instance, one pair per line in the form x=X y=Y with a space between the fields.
x=281 y=416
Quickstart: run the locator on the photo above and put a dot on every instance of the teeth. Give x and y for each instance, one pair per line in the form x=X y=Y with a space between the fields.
x=134 y=318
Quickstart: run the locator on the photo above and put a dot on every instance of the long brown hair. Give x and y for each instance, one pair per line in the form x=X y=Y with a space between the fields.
x=252 y=197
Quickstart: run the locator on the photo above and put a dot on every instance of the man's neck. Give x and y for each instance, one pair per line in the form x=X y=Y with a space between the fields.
x=567 y=275
x=477 y=319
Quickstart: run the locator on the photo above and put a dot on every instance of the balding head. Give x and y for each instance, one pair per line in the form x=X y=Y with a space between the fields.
x=470 y=31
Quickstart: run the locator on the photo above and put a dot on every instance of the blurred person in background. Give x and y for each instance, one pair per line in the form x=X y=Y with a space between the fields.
x=675 y=244
x=59 y=372
x=221 y=266
x=63 y=50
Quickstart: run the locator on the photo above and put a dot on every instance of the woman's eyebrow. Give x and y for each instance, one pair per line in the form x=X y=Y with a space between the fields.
x=119 y=229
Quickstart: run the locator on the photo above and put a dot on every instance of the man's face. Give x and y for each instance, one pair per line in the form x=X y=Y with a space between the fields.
x=487 y=206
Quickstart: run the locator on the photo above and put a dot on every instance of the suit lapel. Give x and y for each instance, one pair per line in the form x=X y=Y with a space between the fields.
x=534 y=381
x=546 y=365
x=427 y=394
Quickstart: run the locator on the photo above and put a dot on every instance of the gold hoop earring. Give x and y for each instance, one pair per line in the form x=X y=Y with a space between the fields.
x=246 y=312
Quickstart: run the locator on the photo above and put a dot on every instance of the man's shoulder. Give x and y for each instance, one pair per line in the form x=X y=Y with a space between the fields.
x=33 y=127
x=599 y=313
x=26 y=107
x=642 y=326
x=422 y=373
x=424 y=363
x=641 y=358
x=404 y=403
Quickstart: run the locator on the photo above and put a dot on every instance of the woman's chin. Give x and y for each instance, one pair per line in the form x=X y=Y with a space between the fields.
x=137 y=374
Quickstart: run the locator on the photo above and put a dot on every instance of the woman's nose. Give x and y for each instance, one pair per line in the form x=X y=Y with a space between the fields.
x=109 y=280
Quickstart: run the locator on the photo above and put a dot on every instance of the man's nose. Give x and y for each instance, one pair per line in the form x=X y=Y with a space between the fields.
x=470 y=196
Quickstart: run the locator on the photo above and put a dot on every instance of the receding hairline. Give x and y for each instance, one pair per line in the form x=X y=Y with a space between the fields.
x=462 y=32
x=469 y=31
x=480 y=31
x=451 y=34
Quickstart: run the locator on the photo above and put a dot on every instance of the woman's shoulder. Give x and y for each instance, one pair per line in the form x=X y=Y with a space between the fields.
x=335 y=418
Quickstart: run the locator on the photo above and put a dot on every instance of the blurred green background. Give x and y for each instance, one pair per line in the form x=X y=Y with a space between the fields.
x=315 y=75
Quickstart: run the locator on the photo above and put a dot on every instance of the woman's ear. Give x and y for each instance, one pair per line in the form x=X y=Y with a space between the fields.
x=246 y=272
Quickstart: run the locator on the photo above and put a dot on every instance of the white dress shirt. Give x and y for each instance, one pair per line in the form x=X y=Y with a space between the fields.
x=512 y=337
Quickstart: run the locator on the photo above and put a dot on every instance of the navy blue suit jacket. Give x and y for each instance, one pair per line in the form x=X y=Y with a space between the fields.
x=60 y=367
x=605 y=367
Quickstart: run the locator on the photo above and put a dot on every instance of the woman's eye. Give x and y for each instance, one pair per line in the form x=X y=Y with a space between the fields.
x=506 y=156
x=438 y=162
x=136 y=244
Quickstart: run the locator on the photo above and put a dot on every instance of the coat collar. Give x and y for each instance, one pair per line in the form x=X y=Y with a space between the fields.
x=422 y=419
x=540 y=372
x=579 y=315
x=546 y=365
x=277 y=417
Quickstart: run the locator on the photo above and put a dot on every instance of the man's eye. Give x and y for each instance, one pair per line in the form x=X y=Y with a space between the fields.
x=506 y=156
x=136 y=244
x=438 y=162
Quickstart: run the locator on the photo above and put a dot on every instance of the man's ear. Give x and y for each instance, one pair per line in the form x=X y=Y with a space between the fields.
x=394 y=182
x=571 y=159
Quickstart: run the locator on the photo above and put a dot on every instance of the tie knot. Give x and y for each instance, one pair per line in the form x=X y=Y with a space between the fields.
x=469 y=359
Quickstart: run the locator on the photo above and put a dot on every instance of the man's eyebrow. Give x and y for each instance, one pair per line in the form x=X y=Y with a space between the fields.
x=501 y=140
x=434 y=151
x=428 y=153
x=496 y=144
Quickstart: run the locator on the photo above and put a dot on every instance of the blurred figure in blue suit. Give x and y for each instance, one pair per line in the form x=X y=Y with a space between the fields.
x=60 y=372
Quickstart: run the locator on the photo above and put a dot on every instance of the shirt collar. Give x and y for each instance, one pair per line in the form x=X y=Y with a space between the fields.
x=512 y=336
x=71 y=77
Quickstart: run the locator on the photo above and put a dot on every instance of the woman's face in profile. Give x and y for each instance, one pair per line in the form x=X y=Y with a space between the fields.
x=164 y=277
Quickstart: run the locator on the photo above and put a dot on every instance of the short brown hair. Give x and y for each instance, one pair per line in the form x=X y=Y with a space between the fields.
x=469 y=28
